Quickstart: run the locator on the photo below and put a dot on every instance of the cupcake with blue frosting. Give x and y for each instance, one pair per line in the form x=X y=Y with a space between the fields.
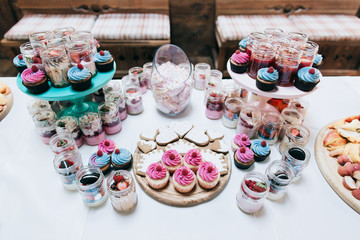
x=121 y=158
x=318 y=60
x=19 y=63
x=261 y=150
x=79 y=77
x=100 y=160
x=104 y=61
x=243 y=43
x=267 y=79
x=307 y=78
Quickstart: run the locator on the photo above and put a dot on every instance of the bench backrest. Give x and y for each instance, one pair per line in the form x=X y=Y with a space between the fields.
x=245 y=7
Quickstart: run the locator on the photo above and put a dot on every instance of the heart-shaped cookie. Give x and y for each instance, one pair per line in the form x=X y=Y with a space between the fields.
x=146 y=160
x=197 y=135
x=217 y=159
x=165 y=136
x=181 y=128
x=219 y=146
x=182 y=146
x=149 y=135
x=214 y=134
x=146 y=146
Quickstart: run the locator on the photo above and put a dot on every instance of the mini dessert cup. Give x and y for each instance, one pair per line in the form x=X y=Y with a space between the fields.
x=69 y=124
x=35 y=106
x=67 y=164
x=32 y=56
x=231 y=90
x=248 y=122
x=148 y=67
x=112 y=86
x=121 y=188
x=133 y=97
x=59 y=42
x=215 y=80
x=91 y=184
x=308 y=54
x=262 y=56
x=270 y=126
x=290 y=116
x=287 y=63
x=57 y=64
x=214 y=104
x=301 y=105
x=87 y=37
x=254 y=188
x=280 y=175
x=118 y=98
x=201 y=75
x=62 y=142
x=137 y=73
x=298 y=157
x=231 y=113
x=64 y=32
x=91 y=126
x=45 y=124
x=80 y=52
x=297 y=134
x=110 y=117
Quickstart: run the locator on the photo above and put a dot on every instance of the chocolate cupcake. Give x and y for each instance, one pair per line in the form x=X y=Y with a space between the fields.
x=35 y=80
x=307 y=78
x=19 y=63
x=104 y=61
x=243 y=158
x=318 y=60
x=79 y=77
x=242 y=44
x=260 y=149
x=239 y=62
x=267 y=78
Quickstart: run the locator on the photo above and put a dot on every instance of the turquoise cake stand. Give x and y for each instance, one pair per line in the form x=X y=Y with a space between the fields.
x=67 y=93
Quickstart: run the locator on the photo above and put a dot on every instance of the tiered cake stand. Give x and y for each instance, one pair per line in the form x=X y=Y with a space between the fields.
x=77 y=97
x=244 y=81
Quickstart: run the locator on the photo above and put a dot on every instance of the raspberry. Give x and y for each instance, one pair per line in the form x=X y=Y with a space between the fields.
x=102 y=53
x=184 y=171
x=80 y=66
x=194 y=154
x=34 y=68
x=263 y=143
x=20 y=57
x=172 y=156
x=312 y=71
x=158 y=167
x=117 y=151
x=210 y=168
x=270 y=70
x=237 y=51
x=118 y=177
x=242 y=150
x=99 y=153
x=244 y=138
x=107 y=143
x=295 y=132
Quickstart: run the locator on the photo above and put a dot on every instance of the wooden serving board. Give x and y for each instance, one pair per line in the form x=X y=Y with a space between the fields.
x=168 y=195
x=329 y=166
x=7 y=107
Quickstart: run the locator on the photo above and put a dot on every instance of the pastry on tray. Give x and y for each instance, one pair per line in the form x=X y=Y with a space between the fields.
x=208 y=175
x=157 y=176
x=184 y=179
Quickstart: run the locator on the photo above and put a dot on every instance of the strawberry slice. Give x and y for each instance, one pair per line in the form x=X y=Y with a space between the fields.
x=122 y=185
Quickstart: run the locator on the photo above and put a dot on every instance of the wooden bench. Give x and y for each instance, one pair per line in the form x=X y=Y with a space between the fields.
x=127 y=51
x=341 y=54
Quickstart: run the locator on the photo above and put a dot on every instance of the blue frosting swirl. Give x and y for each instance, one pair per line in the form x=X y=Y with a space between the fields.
x=304 y=74
x=258 y=149
x=18 y=62
x=271 y=77
x=77 y=74
x=243 y=43
x=97 y=161
x=101 y=59
x=318 y=58
x=123 y=157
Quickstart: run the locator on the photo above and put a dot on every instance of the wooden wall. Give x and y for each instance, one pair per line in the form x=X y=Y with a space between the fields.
x=7 y=20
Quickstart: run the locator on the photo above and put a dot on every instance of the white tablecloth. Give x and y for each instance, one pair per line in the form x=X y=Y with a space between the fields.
x=34 y=204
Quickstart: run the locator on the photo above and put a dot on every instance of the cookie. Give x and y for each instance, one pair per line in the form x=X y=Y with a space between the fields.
x=146 y=146
x=217 y=159
x=182 y=146
x=166 y=135
x=214 y=134
x=146 y=160
x=181 y=128
x=219 y=146
x=3 y=100
x=197 y=135
x=149 y=135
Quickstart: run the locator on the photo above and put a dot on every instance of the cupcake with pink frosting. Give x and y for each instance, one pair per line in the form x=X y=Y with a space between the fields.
x=239 y=62
x=184 y=179
x=244 y=158
x=107 y=146
x=240 y=140
x=157 y=175
x=172 y=160
x=193 y=159
x=208 y=175
x=35 y=80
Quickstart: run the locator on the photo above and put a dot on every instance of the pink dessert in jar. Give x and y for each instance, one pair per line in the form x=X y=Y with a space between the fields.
x=208 y=175
x=90 y=124
x=184 y=179
x=193 y=159
x=107 y=146
x=214 y=105
x=110 y=117
x=240 y=140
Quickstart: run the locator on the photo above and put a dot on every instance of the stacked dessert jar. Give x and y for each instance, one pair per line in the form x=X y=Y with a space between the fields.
x=91 y=126
x=32 y=56
x=262 y=56
x=287 y=63
x=69 y=124
x=137 y=73
x=45 y=124
x=80 y=52
x=110 y=117
x=249 y=120
x=87 y=37
x=133 y=95
x=309 y=53
x=232 y=107
x=117 y=97
x=214 y=104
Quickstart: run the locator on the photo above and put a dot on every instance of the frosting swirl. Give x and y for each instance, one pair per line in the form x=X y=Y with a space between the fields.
x=29 y=76
x=242 y=140
x=304 y=74
x=77 y=74
x=184 y=176
x=193 y=157
x=208 y=171
x=265 y=75
x=107 y=146
x=243 y=43
x=318 y=59
x=171 y=158
x=102 y=58
x=123 y=157
x=258 y=149
x=156 y=171
x=99 y=161
x=19 y=62
x=245 y=156
x=240 y=57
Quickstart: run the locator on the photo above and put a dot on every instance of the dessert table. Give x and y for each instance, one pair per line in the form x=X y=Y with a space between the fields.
x=35 y=205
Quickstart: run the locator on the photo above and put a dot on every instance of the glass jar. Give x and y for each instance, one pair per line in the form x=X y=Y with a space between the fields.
x=133 y=96
x=171 y=79
x=58 y=43
x=249 y=120
x=80 y=52
x=262 y=56
x=122 y=200
x=137 y=73
x=118 y=98
x=45 y=124
x=280 y=174
x=110 y=117
x=308 y=55
x=253 y=38
x=297 y=134
x=275 y=37
x=31 y=56
x=298 y=157
x=201 y=75
x=66 y=165
x=231 y=90
x=295 y=40
x=64 y=32
x=91 y=184
x=87 y=37
x=148 y=67
x=214 y=104
x=232 y=109
x=39 y=39
x=91 y=126
x=250 y=199
x=290 y=117
x=61 y=142
x=69 y=124
x=301 y=105
x=270 y=126
x=57 y=64
x=215 y=80
x=35 y=106
x=287 y=63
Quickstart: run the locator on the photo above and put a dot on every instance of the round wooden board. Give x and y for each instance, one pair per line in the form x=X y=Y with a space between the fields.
x=168 y=195
x=329 y=166
x=7 y=107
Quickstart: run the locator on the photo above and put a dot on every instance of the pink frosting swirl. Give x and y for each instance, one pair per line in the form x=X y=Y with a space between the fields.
x=171 y=158
x=244 y=154
x=184 y=176
x=29 y=76
x=107 y=146
x=240 y=57
x=156 y=171
x=193 y=157
x=242 y=140
x=208 y=171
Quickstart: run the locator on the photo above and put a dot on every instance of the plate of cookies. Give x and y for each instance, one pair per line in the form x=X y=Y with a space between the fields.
x=6 y=100
x=182 y=164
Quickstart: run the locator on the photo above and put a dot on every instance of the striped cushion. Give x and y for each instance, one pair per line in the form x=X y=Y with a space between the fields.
x=237 y=27
x=48 y=22
x=132 y=26
x=328 y=27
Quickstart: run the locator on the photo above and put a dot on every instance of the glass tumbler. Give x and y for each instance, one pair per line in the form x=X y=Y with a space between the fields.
x=231 y=113
x=249 y=120
x=214 y=104
x=45 y=124
x=123 y=194
x=133 y=96
x=67 y=164
x=118 y=98
x=289 y=116
x=57 y=64
x=270 y=126
x=110 y=117
x=61 y=142
x=294 y=134
x=201 y=75
x=80 y=52
x=298 y=157
x=91 y=126
x=70 y=125
x=262 y=56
